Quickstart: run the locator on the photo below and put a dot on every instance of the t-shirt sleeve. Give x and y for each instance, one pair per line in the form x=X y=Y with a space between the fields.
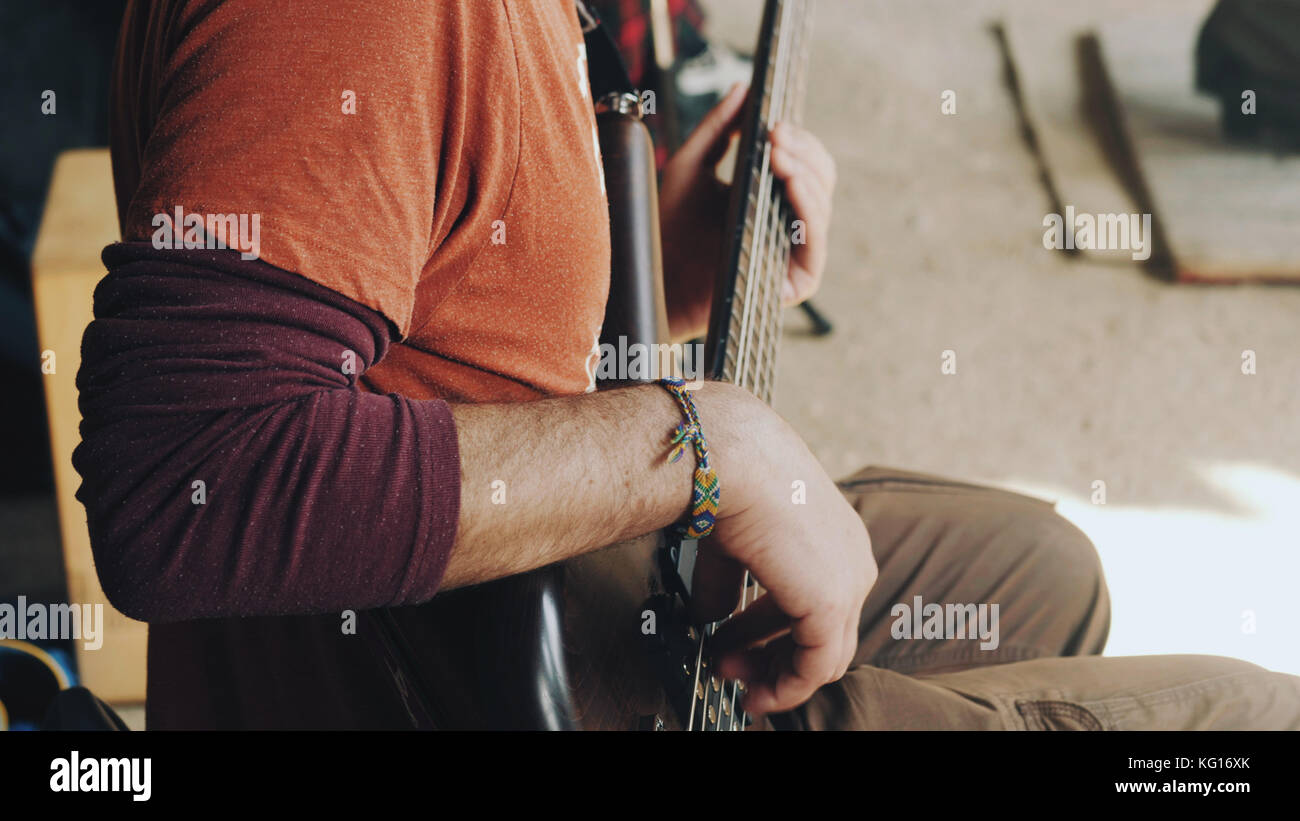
x=230 y=463
x=371 y=143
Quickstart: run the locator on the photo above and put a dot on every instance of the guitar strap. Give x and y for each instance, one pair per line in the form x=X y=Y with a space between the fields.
x=606 y=70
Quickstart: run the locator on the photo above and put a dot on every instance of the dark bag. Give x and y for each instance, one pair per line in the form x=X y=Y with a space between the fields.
x=1253 y=45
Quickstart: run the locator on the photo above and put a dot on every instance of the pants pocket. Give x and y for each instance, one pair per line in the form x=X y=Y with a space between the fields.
x=1056 y=715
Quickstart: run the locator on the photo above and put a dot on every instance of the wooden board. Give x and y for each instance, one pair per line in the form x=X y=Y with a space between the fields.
x=80 y=219
x=1229 y=212
x=1053 y=98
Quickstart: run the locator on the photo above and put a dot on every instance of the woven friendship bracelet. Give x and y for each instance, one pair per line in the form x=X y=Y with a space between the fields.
x=706 y=490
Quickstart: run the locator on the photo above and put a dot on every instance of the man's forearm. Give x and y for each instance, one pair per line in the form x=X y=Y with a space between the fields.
x=545 y=481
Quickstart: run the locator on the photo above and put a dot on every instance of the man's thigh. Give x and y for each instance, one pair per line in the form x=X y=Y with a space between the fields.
x=969 y=549
x=1078 y=693
x=952 y=543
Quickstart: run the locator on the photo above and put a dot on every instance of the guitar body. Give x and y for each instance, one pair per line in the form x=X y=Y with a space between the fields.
x=601 y=642
x=558 y=648
x=614 y=683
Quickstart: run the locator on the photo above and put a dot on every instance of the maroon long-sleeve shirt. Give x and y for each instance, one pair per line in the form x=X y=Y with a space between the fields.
x=232 y=466
x=226 y=443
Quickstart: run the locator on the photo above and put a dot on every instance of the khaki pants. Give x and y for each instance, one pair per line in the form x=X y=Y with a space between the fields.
x=957 y=544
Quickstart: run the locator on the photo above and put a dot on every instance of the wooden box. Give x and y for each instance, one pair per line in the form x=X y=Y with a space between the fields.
x=80 y=219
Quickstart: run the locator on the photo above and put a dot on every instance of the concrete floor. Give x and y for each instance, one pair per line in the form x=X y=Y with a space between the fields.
x=1067 y=372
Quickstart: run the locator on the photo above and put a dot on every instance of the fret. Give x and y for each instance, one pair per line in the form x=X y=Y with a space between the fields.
x=769 y=204
x=754 y=281
x=768 y=338
x=768 y=286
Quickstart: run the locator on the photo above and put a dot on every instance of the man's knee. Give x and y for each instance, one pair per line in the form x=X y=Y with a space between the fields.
x=1012 y=549
x=1005 y=527
x=1061 y=569
x=1061 y=549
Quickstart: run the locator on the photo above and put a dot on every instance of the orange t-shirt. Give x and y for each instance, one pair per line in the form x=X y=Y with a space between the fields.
x=435 y=161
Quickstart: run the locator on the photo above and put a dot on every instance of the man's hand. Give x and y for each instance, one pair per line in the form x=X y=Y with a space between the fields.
x=814 y=559
x=693 y=206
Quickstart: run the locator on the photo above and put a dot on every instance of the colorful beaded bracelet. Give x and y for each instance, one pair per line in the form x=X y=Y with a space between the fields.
x=706 y=490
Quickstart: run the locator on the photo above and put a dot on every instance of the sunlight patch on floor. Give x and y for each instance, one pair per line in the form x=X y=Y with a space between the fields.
x=1184 y=580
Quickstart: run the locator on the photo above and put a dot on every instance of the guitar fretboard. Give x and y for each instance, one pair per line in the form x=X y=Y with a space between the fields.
x=745 y=327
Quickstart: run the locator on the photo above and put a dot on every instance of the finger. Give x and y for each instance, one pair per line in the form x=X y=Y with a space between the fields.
x=800 y=284
x=805 y=659
x=794 y=673
x=808 y=258
x=792 y=169
x=710 y=139
x=770 y=687
x=760 y=621
x=805 y=144
x=809 y=207
x=756 y=664
x=810 y=201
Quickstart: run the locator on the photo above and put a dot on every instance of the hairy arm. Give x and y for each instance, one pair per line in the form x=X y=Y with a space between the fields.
x=579 y=473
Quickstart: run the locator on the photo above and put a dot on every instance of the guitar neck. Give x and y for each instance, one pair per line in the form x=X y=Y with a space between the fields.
x=745 y=322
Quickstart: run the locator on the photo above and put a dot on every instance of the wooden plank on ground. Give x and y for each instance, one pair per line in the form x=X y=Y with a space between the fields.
x=1230 y=212
x=1054 y=106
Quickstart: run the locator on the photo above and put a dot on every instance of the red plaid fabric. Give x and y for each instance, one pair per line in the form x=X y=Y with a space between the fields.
x=629 y=20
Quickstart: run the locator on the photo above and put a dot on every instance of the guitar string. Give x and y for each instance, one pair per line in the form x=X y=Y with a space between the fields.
x=773 y=86
x=791 y=110
x=766 y=232
x=790 y=104
x=771 y=228
x=753 y=236
x=783 y=98
x=753 y=352
x=695 y=684
x=792 y=113
x=765 y=349
x=752 y=281
x=768 y=197
x=739 y=721
x=741 y=379
x=788 y=90
x=787 y=52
